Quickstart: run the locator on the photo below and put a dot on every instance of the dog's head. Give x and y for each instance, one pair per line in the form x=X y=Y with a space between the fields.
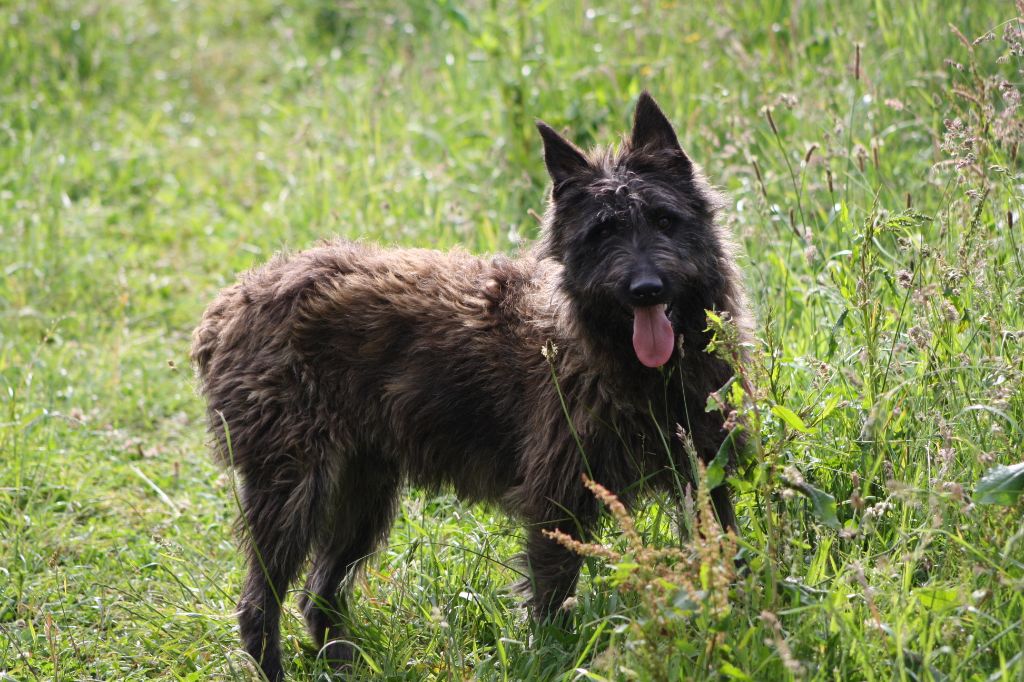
x=634 y=231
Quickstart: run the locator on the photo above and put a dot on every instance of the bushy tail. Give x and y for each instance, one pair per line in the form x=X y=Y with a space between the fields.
x=206 y=337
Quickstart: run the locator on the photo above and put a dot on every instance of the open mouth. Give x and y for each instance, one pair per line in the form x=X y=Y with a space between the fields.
x=653 y=335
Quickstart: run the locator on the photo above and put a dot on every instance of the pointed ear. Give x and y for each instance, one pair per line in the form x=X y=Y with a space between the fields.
x=651 y=128
x=563 y=158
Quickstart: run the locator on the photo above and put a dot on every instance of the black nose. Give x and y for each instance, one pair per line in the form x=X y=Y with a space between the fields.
x=645 y=288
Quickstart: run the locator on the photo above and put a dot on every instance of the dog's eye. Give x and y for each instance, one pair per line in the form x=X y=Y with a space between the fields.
x=665 y=219
x=602 y=230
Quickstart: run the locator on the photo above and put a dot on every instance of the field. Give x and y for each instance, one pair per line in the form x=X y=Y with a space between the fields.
x=871 y=151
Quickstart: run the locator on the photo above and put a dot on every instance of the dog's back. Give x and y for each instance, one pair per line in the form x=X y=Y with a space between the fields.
x=349 y=348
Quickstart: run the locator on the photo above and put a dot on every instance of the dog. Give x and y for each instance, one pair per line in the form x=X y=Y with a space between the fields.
x=335 y=376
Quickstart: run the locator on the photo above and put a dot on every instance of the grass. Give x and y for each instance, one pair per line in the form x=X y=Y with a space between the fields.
x=152 y=150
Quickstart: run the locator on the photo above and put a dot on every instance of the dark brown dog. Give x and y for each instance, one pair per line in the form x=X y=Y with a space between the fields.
x=337 y=375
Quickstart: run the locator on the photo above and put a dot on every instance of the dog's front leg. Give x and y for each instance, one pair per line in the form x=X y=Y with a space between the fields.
x=554 y=571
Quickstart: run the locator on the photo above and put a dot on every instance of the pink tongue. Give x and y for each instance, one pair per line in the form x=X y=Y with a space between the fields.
x=653 y=337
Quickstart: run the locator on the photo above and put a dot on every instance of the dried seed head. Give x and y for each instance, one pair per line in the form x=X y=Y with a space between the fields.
x=771 y=121
x=810 y=153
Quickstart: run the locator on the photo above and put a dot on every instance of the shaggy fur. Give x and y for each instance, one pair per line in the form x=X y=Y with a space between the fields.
x=337 y=375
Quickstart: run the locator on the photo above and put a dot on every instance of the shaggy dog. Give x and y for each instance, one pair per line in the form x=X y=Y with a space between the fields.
x=338 y=375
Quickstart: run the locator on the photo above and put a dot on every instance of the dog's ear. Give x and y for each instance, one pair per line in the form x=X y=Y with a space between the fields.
x=652 y=130
x=563 y=158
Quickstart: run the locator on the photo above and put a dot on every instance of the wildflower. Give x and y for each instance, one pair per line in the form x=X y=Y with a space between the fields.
x=947 y=457
x=793 y=475
x=945 y=431
x=920 y=336
x=781 y=646
x=955 y=490
x=856 y=501
x=811 y=254
x=959 y=143
x=788 y=100
x=890 y=473
x=877 y=511
x=438 y=619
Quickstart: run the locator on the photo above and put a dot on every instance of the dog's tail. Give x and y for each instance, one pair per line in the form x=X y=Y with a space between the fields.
x=207 y=336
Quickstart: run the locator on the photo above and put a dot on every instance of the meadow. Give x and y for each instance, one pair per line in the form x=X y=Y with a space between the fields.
x=871 y=152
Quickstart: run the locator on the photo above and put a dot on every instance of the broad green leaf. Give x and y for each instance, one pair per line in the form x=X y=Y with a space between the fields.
x=997 y=412
x=1001 y=485
x=824 y=504
x=937 y=598
x=622 y=570
x=833 y=337
x=791 y=418
x=715 y=473
x=830 y=405
x=684 y=601
x=720 y=400
x=732 y=672
x=736 y=392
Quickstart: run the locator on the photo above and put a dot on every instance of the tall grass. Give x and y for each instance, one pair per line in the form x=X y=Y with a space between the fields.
x=871 y=151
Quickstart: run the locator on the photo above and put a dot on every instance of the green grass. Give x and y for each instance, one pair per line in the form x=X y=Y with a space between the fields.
x=151 y=150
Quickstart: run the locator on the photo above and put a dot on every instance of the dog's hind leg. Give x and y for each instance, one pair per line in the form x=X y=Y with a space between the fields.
x=277 y=522
x=722 y=502
x=362 y=516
